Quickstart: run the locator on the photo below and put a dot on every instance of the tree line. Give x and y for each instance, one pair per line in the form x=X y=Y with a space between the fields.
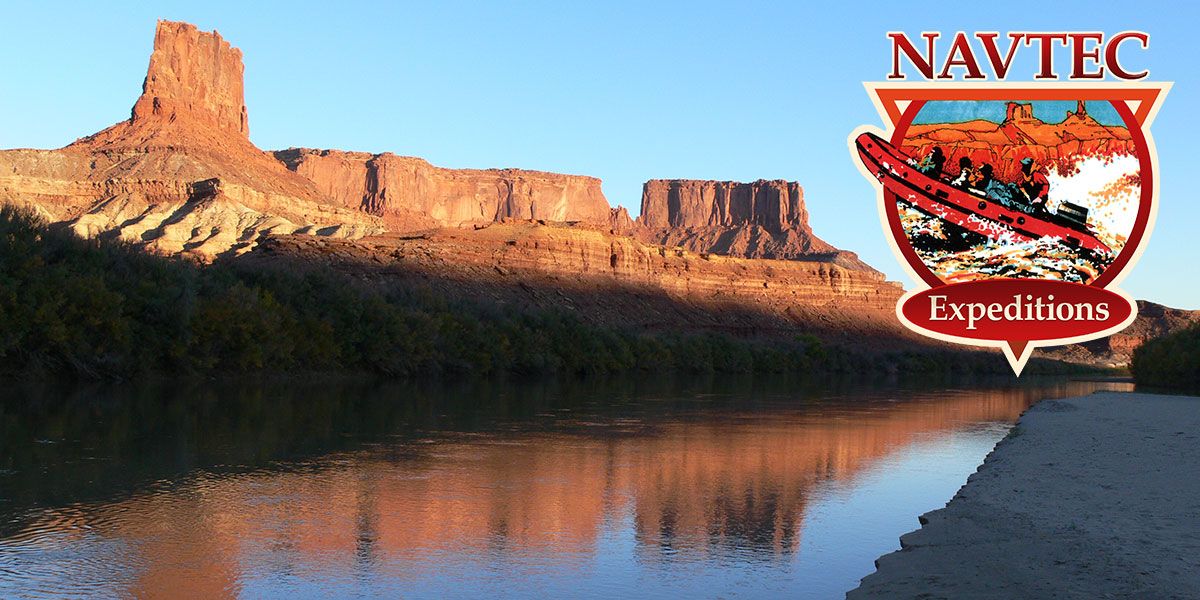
x=105 y=309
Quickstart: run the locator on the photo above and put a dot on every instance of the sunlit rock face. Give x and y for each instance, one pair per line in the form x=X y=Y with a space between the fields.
x=616 y=280
x=180 y=175
x=409 y=192
x=762 y=219
x=196 y=76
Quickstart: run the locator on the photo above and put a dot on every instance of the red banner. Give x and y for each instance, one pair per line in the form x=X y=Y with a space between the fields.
x=1016 y=311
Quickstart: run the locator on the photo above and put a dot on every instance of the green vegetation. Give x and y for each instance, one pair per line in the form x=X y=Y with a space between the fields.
x=1169 y=361
x=103 y=309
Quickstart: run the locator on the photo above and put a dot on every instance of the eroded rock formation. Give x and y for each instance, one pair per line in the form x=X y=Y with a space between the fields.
x=181 y=174
x=617 y=280
x=762 y=219
x=1020 y=135
x=195 y=76
x=1153 y=320
x=411 y=193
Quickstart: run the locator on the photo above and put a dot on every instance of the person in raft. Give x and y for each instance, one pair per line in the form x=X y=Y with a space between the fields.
x=996 y=190
x=931 y=165
x=966 y=173
x=1034 y=186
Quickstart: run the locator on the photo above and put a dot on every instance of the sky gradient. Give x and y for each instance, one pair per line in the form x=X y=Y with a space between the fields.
x=621 y=91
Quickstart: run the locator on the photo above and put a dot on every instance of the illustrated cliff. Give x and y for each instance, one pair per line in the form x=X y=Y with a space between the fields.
x=1020 y=135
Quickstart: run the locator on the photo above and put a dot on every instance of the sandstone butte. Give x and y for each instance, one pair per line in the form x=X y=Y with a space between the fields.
x=181 y=176
x=1020 y=135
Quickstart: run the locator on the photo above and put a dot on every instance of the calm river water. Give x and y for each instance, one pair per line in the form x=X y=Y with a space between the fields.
x=731 y=488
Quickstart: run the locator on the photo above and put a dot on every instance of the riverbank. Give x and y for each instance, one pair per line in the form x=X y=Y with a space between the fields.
x=103 y=309
x=1090 y=497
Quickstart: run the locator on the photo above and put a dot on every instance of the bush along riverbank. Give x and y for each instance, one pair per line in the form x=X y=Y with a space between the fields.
x=92 y=308
x=1171 y=361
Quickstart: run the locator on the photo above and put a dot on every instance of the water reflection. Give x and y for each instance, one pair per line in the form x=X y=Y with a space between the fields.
x=717 y=487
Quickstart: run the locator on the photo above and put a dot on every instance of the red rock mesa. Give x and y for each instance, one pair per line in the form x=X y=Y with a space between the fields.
x=763 y=219
x=181 y=174
x=1021 y=135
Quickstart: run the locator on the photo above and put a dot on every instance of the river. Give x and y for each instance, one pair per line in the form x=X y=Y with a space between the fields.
x=643 y=487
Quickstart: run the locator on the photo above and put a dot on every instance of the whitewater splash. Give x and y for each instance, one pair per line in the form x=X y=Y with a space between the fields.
x=1108 y=186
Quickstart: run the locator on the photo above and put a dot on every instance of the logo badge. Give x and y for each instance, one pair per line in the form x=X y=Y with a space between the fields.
x=1016 y=207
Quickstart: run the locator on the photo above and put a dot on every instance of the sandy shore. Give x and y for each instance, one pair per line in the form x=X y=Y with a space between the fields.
x=1092 y=497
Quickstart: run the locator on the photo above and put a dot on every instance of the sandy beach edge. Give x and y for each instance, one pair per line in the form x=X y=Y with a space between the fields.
x=1090 y=497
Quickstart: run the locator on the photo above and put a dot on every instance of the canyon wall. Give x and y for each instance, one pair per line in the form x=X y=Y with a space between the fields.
x=1019 y=136
x=695 y=203
x=180 y=175
x=409 y=192
x=193 y=75
x=762 y=219
x=616 y=280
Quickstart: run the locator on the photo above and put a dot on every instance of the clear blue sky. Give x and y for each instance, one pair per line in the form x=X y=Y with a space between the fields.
x=1050 y=111
x=622 y=91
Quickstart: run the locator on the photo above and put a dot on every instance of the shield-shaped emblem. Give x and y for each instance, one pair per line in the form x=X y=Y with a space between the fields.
x=1016 y=208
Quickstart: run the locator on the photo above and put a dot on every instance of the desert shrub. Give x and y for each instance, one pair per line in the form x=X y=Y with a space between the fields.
x=100 y=308
x=1169 y=361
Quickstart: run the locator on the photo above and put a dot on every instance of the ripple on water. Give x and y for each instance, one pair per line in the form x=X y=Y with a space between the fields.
x=774 y=499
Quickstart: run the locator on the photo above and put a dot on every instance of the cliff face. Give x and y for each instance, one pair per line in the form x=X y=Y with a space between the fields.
x=196 y=76
x=1153 y=320
x=763 y=219
x=617 y=280
x=180 y=175
x=1020 y=135
x=694 y=203
x=409 y=192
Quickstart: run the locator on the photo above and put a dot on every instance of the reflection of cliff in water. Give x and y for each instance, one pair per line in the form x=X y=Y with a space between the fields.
x=387 y=480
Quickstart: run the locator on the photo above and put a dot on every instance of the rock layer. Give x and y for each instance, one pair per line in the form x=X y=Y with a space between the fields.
x=1153 y=320
x=685 y=203
x=1020 y=135
x=411 y=193
x=194 y=75
x=180 y=175
x=618 y=281
x=762 y=219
